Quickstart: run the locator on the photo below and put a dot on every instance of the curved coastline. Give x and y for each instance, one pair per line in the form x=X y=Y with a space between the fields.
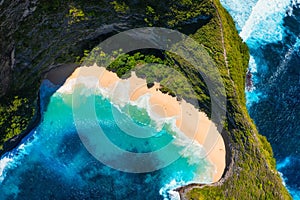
x=57 y=75
x=62 y=78
x=244 y=161
x=194 y=124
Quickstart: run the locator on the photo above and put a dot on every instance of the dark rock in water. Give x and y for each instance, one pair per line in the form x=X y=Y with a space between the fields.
x=249 y=83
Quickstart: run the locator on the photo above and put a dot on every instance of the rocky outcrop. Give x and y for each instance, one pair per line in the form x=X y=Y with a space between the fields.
x=12 y=14
x=37 y=34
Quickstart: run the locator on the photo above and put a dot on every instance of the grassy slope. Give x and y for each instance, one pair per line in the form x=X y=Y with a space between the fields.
x=253 y=174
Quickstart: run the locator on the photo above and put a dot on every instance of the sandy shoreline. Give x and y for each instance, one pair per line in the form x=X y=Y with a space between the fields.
x=194 y=124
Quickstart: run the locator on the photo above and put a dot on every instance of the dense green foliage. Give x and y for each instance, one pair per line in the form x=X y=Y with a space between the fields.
x=254 y=174
x=174 y=74
x=251 y=176
x=15 y=117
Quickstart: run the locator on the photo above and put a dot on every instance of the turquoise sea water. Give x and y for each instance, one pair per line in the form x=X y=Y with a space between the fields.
x=53 y=163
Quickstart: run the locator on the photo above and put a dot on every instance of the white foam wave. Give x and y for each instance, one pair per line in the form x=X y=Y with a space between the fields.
x=5 y=160
x=282 y=178
x=159 y=121
x=264 y=20
x=253 y=70
x=168 y=190
x=193 y=151
x=89 y=82
x=11 y=159
x=118 y=94
x=252 y=65
x=260 y=20
x=239 y=10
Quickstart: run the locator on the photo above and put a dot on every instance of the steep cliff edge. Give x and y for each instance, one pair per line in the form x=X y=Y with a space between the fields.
x=36 y=36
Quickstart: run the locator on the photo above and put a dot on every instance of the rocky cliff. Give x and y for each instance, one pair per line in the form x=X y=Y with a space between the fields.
x=38 y=35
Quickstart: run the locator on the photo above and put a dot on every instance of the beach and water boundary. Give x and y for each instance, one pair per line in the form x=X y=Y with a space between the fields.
x=159 y=109
x=189 y=120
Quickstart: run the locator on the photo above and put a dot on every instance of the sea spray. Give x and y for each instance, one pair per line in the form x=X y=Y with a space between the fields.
x=259 y=26
x=168 y=190
x=5 y=160
x=265 y=17
x=239 y=8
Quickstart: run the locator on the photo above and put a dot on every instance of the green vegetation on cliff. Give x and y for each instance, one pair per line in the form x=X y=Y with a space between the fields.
x=65 y=32
x=15 y=112
x=253 y=174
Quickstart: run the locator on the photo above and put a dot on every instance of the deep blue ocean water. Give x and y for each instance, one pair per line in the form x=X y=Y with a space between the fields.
x=272 y=31
x=53 y=163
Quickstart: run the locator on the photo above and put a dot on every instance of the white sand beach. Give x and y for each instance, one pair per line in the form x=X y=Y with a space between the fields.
x=194 y=124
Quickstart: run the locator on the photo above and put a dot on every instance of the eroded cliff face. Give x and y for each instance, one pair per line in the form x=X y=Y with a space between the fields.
x=39 y=35
x=36 y=36
x=12 y=14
